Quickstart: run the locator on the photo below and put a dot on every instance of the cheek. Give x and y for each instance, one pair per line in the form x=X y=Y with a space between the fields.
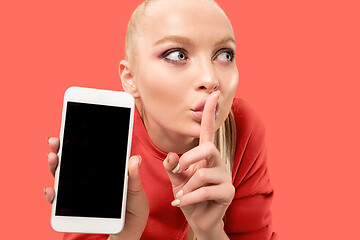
x=229 y=85
x=159 y=88
x=233 y=82
x=227 y=90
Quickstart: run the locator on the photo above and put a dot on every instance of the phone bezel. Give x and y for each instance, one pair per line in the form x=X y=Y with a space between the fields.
x=91 y=224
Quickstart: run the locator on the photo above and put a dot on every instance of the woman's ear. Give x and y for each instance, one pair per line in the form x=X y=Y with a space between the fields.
x=127 y=79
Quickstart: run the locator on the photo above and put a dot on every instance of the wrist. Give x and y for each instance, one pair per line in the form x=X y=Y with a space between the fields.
x=216 y=233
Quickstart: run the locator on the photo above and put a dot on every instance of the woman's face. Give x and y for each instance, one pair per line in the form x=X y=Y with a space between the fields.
x=185 y=51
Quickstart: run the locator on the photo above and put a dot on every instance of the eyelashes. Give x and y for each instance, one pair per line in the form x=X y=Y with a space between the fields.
x=180 y=55
x=175 y=55
x=226 y=54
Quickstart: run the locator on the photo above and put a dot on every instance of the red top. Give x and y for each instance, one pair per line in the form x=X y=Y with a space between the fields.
x=247 y=218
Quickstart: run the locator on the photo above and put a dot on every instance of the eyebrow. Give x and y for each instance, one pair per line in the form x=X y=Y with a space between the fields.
x=225 y=40
x=187 y=41
x=173 y=38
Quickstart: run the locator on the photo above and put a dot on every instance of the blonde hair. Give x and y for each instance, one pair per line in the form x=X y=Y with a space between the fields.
x=225 y=136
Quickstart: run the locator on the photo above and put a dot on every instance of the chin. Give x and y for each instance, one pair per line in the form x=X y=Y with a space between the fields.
x=194 y=130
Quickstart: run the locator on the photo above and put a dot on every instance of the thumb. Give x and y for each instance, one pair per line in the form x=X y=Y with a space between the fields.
x=137 y=202
x=134 y=184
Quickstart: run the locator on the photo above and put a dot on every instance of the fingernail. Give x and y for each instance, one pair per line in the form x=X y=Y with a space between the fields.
x=179 y=194
x=47 y=155
x=168 y=157
x=45 y=191
x=176 y=169
x=47 y=140
x=175 y=203
x=140 y=160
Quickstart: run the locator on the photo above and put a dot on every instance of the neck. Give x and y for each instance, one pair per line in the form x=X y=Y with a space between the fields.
x=171 y=142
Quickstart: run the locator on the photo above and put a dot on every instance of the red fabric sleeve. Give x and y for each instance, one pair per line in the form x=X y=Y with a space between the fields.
x=249 y=217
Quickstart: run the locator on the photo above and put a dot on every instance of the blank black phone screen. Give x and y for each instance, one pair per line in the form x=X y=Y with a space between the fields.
x=93 y=159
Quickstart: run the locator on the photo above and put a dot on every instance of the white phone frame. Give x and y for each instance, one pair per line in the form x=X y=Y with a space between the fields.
x=90 y=224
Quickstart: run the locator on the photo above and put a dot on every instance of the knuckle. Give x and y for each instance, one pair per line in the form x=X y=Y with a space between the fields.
x=214 y=151
x=205 y=146
x=228 y=178
x=230 y=191
x=211 y=152
x=211 y=147
x=201 y=175
x=205 y=194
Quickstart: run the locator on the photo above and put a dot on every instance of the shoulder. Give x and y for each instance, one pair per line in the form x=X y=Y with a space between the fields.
x=250 y=154
x=254 y=193
x=247 y=119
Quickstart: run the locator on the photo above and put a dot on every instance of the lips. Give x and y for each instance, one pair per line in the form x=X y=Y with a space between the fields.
x=199 y=109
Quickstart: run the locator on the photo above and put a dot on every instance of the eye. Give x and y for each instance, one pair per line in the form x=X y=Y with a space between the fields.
x=175 y=55
x=226 y=56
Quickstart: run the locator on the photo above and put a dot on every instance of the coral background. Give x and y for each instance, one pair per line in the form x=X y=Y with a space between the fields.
x=299 y=64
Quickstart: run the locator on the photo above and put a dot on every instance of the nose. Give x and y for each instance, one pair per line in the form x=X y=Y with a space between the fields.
x=207 y=78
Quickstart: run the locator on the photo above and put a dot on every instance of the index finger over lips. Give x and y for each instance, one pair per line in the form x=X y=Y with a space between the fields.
x=207 y=129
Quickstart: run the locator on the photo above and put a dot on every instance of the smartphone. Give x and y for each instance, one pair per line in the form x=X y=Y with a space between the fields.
x=92 y=173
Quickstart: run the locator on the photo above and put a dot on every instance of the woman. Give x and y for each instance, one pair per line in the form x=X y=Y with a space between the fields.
x=202 y=154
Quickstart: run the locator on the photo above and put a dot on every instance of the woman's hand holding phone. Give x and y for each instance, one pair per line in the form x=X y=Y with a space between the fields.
x=137 y=208
x=202 y=185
